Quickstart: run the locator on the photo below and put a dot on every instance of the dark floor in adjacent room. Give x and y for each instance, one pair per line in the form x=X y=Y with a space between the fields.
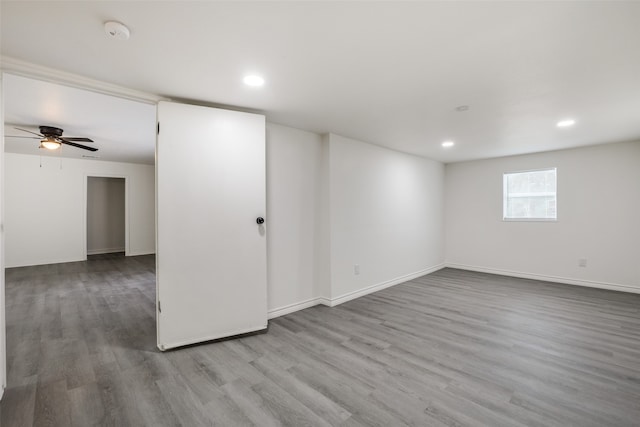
x=453 y=348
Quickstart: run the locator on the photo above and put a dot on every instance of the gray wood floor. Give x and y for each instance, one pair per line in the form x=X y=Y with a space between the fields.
x=452 y=348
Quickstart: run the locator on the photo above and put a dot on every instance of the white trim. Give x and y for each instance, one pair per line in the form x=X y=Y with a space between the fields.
x=529 y=219
x=383 y=285
x=27 y=69
x=530 y=170
x=3 y=305
x=555 y=279
x=105 y=251
x=47 y=262
x=297 y=306
x=138 y=253
x=155 y=231
x=324 y=301
x=332 y=302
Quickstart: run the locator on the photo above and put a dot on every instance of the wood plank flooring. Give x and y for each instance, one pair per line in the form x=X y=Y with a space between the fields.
x=453 y=348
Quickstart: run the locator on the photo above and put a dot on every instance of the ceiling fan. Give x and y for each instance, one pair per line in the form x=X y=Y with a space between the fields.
x=51 y=138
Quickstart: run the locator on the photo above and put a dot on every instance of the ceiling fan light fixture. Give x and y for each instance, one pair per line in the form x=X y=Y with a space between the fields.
x=50 y=143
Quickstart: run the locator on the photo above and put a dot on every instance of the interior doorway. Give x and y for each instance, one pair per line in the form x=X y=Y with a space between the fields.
x=106 y=215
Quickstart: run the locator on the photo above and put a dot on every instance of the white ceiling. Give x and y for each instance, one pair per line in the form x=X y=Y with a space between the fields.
x=122 y=130
x=390 y=73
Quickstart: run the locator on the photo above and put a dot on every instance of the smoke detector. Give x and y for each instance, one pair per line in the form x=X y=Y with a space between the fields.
x=116 y=30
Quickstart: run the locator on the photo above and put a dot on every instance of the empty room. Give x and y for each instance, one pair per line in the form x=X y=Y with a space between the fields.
x=344 y=213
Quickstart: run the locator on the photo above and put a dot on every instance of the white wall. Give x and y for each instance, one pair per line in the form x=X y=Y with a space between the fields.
x=386 y=216
x=333 y=202
x=323 y=245
x=293 y=179
x=45 y=207
x=3 y=351
x=598 y=218
x=105 y=215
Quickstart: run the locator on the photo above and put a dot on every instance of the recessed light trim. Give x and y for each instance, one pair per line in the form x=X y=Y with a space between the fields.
x=565 y=123
x=253 y=80
x=447 y=144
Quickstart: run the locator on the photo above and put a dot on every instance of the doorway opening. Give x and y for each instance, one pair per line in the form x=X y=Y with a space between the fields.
x=106 y=215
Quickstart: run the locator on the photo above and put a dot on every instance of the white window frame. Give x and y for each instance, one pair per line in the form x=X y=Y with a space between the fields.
x=504 y=196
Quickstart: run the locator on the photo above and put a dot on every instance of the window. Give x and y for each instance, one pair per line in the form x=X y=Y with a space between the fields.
x=530 y=195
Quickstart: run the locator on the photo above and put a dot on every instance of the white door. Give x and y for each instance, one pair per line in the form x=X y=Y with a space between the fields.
x=211 y=252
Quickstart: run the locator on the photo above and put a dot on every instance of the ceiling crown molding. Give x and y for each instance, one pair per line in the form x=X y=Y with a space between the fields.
x=40 y=72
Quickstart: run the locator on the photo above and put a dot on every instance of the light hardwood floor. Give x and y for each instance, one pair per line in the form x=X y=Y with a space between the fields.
x=452 y=348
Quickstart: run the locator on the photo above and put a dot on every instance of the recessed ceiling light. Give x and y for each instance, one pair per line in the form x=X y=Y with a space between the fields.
x=566 y=123
x=253 y=80
x=448 y=144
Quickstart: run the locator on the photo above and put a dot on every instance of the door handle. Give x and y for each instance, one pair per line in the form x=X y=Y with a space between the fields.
x=260 y=220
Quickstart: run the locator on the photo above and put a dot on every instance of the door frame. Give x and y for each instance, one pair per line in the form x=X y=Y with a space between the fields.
x=3 y=343
x=86 y=206
x=22 y=68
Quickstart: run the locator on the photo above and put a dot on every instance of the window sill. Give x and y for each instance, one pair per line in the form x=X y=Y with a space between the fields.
x=530 y=219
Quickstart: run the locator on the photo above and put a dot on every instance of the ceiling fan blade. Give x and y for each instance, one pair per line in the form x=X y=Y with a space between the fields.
x=66 y=138
x=73 y=144
x=24 y=130
x=20 y=136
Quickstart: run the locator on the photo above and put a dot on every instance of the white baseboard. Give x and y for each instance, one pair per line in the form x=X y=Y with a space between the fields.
x=287 y=309
x=138 y=253
x=332 y=302
x=380 y=286
x=43 y=262
x=324 y=301
x=104 y=251
x=555 y=279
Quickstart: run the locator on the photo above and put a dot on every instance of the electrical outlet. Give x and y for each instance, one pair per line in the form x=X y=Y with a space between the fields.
x=356 y=269
x=582 y=262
